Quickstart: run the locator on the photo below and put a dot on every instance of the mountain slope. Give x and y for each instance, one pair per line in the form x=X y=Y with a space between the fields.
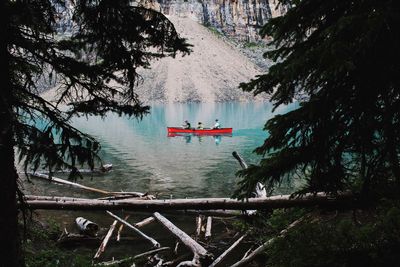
x=211 y=73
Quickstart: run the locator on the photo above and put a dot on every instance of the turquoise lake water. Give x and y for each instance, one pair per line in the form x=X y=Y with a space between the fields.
x=145 y=159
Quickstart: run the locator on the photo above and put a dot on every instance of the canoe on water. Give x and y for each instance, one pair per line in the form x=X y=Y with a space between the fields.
x=199 y=131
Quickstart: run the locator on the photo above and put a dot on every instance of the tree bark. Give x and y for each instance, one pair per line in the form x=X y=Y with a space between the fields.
x=208 y=227
x=62 y=181
x=103 y=244
x=130 y=259
x=144 y=222
x=259 y=190
x=344 y=200
x=199 y=252
x=226 y=252
x=198 y=225
x=10 y=253
x=53 y=198
x=148 y=238
x=121 y=227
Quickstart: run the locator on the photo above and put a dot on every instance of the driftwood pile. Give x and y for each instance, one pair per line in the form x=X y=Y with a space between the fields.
x=204 y=208
x=200 y=256
x=154 y=257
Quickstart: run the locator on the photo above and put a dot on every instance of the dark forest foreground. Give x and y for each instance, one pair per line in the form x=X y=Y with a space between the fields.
x=368 y=236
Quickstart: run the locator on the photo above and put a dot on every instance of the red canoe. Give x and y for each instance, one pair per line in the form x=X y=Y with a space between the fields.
x=200 y=131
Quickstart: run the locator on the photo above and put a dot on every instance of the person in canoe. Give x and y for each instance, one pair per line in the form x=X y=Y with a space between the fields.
x=217 y=125
x=200 y=126
x=186 y=125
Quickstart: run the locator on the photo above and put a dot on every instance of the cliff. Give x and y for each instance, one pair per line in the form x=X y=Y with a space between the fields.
x=240 y=19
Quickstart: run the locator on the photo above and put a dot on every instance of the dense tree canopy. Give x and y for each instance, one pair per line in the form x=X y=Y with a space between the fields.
x=340 y=60
x=91 y=49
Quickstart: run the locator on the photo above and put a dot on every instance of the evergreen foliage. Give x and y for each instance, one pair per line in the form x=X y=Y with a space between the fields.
x=340 y=60
x=91 y=49
x=371 y=238
x=95 y=69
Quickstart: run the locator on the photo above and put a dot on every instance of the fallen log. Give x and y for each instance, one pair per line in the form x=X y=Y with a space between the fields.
x=247 y=252
x=81 y=239
x=131 y=259
x=200 y=253
x=259 y=190
x=179 y=259
x=226 y=252
x=192 y=263
x=103 y=244
x=261 y=248
x=148 y=238
x=214 y=213
x=102 y=169
x=86 y=226
x=118 y=197
x=176 y=248
x=120 y=228
x=54 y=198
x=274 y=202
x=62 y=181
x=198 y=226
x=145 y=222
x=208 y=227
x=68 y=238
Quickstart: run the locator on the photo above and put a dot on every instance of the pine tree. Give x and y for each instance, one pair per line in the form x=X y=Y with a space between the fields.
x=340 y=60
x=92 y=50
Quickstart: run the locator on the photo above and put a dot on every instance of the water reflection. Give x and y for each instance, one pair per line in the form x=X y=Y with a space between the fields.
x=201 y=137
x=217 y=139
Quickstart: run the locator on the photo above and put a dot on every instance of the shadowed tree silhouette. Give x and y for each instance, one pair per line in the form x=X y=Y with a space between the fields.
x=92 y=50
x=340 y=61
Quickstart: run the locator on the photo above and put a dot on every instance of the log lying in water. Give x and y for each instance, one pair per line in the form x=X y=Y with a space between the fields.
x=102 y=169
x=283 y=201
x=62 y=181
x=53 y=198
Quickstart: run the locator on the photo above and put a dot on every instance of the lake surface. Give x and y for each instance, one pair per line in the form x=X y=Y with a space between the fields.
x=145 y=159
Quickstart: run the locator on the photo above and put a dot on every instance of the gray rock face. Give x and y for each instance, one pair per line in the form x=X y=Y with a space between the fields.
x=240 y=19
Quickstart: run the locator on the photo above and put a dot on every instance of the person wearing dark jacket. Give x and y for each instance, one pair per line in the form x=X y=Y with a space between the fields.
x=186 y=125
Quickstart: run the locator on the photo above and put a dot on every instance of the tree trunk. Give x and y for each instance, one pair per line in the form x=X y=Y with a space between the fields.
x=201 y=255
x=275 y=202
x=10 y=253
x=143 y=235
x=218 y=260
